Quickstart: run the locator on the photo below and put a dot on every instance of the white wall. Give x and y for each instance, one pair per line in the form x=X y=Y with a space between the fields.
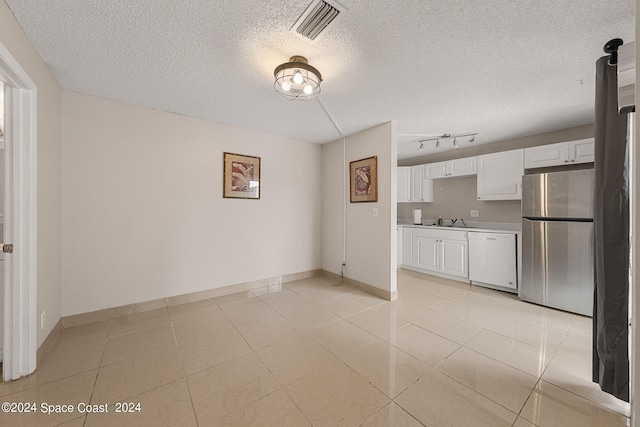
x=371 y=242
x=143 y=212
x=49 y=154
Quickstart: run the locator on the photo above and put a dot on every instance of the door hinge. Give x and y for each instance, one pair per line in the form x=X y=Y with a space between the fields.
x=7 y=248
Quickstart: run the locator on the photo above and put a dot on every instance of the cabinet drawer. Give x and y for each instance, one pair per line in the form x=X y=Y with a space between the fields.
x=439 y=233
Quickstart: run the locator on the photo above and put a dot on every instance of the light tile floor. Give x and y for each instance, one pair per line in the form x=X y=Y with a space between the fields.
x=308 y=353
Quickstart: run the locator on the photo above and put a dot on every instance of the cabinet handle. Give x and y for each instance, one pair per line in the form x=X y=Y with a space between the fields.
x=573 y=160
x=566 y=161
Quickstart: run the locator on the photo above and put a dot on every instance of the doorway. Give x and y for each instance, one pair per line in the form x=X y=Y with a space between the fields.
x=19 y=326
x=1 y=218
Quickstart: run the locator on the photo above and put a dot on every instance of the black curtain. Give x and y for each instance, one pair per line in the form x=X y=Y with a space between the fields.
x=611 y=225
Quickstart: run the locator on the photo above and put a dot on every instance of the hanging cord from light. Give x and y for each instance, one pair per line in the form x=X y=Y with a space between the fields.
x=344 y=195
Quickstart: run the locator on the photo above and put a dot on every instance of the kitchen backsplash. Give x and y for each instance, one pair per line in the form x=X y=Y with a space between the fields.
x=456 y=197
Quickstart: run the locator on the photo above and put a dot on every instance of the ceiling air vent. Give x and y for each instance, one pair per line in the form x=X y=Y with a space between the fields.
x=315 y=19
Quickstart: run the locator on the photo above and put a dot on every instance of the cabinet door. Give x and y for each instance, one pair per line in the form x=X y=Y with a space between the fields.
x=582 y=150
x=407 y=246
x=404 y=184
x=545 y=155
x=463 y=167
x=454 y=257
x=427 y=253
x=417 y=177
x=435 y=170
x=500 y=175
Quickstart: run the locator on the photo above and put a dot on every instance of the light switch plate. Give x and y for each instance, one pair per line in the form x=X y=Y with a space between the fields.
x=375 y=212
x=475 y=213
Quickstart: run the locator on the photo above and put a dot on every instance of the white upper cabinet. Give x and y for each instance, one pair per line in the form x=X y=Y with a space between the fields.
x=562 y=153
x=463 y=167
x=500 y=175
x=582 y=150
x=421 y=188
x=546 y=155
x=452 y=168
x=403 y=177
x=435 y=170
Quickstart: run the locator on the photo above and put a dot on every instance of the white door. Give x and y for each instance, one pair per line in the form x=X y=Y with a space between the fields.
x=1 y=215
x=19 y=334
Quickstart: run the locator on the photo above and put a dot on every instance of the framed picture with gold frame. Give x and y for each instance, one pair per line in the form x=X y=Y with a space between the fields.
x=241 y=176
x=363 y=180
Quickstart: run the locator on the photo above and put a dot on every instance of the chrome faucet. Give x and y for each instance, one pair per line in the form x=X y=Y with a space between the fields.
x=453 y=221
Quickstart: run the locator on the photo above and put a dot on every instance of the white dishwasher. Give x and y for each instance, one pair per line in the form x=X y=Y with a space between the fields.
x=492 y=260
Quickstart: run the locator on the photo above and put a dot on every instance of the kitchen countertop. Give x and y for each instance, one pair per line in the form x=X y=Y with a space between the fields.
x=485 y=227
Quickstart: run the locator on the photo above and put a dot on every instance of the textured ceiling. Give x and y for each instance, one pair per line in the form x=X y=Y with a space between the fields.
x=502 y=68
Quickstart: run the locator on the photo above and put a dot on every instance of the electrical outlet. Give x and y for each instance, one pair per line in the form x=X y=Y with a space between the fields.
x=42 y=319
x=375 y=212
x=475 y=213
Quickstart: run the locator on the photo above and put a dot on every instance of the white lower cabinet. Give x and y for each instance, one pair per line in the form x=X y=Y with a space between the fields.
x=454 y=257
x=427 y=253
x=407 y=246
x=437 y=250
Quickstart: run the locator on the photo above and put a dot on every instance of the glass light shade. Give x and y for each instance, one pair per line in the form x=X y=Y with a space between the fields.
x=297 y=80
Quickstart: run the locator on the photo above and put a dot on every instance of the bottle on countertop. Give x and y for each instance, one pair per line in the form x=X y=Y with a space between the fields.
x=440 y=220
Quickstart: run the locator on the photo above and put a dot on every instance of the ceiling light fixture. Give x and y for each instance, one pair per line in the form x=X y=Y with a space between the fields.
x=297 y=80
x=449 y=136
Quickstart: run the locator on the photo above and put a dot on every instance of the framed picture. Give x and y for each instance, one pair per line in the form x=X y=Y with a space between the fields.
x=241 y=176
x=363 y=180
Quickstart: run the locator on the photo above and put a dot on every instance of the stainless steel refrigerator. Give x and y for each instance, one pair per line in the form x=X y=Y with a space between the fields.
x=557 y=240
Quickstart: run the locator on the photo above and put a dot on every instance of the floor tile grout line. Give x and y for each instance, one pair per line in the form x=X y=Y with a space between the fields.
x=539 y=380
x=477 y=392
x=185 y=378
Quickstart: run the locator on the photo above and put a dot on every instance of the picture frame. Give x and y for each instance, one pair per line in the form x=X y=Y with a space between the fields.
x=241 y=176
x=363 y=180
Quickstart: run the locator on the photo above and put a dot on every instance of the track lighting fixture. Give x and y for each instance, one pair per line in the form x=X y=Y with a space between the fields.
x=448 y=136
